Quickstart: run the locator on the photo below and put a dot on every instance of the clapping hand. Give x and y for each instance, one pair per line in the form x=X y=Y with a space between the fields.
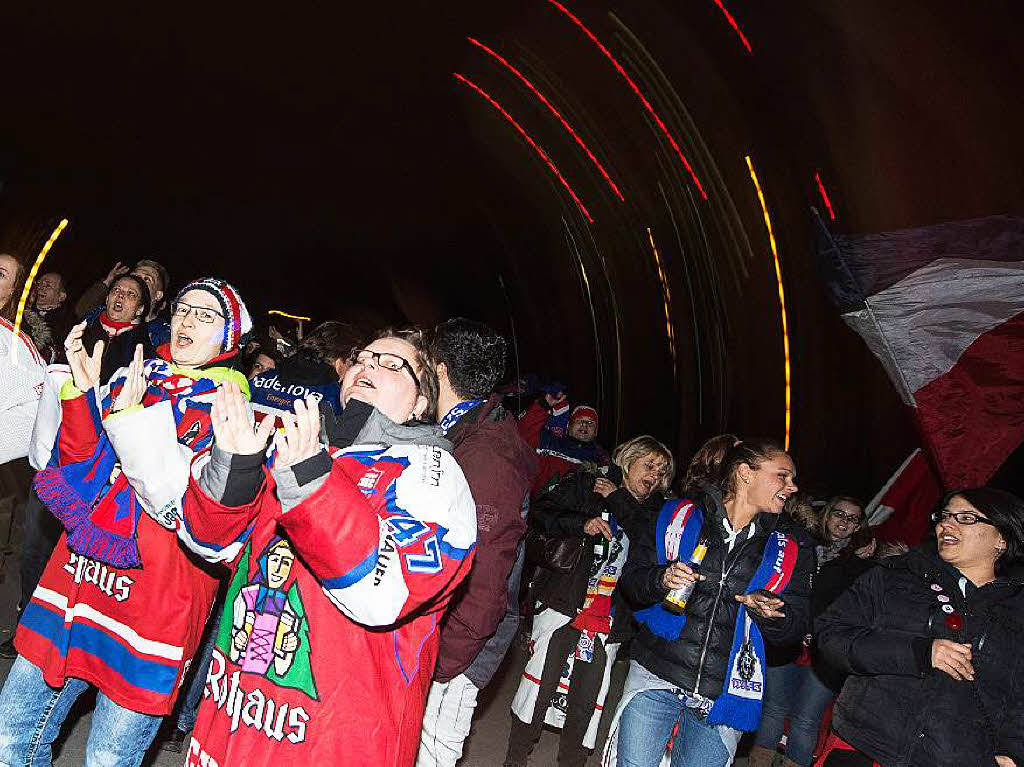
x=84 y=367
x=134 y=383
x=232 y=426
x=300 y=437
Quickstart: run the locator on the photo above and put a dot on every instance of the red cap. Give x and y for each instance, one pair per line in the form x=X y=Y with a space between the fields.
x=583 y=411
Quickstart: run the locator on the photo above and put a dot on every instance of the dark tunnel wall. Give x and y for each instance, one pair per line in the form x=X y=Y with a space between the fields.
x=332 y=164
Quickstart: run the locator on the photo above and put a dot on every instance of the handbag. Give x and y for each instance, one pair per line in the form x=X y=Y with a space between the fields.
x=558 y=553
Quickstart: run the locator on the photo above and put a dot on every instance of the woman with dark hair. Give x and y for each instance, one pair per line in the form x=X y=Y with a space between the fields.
x=581 y=619
x=120 y=325
x=704 y=670
x=932 y=643
x=363 y=542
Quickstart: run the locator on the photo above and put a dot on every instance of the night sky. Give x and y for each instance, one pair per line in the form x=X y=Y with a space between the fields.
x=328 y=163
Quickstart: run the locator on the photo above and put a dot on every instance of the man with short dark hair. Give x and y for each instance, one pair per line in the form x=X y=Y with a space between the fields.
x=499 y=467
x=49 y=317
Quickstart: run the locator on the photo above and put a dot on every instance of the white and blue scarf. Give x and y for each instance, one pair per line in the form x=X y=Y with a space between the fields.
x=457 y=412
x=677 y=534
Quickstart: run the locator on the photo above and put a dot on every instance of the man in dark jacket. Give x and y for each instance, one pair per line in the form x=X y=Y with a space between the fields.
x=499 y=467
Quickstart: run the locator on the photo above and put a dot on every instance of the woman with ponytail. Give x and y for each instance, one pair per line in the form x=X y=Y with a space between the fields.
x=704 y=670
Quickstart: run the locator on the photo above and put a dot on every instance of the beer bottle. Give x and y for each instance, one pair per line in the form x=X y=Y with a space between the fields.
x=675 y=600
x=603 y=545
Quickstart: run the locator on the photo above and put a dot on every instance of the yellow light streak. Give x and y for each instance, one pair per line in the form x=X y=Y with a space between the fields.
x=295 y=317
x=28 y=286
x=663 y=278
x=782 y=295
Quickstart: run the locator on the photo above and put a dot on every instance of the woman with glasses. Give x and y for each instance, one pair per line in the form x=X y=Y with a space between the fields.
x=796 y=689
x=121 y=605
x=932 y=643
x=344 y=554
x=581 y=620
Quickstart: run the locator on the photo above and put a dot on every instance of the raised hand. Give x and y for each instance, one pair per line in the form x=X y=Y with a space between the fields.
x=84 y=367
x=118 y=270
x=134 y=383
x=233 y=428
x=300 y=437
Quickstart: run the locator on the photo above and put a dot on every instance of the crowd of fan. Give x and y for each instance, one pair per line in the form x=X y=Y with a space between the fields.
x=322 y=548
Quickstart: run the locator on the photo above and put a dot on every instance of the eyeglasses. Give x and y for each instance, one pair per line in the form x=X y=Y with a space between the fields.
x=961 y=517
x=203 y=314
x=847 y=516
x=386 y=360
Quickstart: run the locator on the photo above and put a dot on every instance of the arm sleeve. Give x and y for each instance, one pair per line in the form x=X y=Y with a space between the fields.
x=567 y=506
x=80 y=424
x=20 y=388
x=1010 y=732
x=480 y=607
x=378 y=569
x=796 y=622
x=851 y=639
x=220 y=505
x=641 y=577
x=531 y=424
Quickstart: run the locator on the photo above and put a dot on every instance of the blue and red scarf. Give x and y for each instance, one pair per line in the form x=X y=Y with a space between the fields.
x=92 y=497
x=677 y=534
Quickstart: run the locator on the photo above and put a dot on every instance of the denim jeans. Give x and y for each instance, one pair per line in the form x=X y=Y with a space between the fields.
x=42 y=531
x=796 y=693
x=188 y=704
x=646 y=725
x=32 y=712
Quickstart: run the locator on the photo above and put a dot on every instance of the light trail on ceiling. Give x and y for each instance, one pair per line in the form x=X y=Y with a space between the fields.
x=565 y=124
x=667 y=301
x=824 y=197
x=782 y=294
x=526 y=137
x=734 y=25
x=643 y=99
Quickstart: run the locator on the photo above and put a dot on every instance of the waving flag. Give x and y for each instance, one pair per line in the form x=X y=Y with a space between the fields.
x=942 y=307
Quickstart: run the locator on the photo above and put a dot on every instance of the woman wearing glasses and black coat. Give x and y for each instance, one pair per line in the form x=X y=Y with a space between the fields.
x=932 y=641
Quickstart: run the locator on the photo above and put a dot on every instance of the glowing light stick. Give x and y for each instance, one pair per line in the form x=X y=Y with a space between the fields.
x=28 y=286
x=295 y=317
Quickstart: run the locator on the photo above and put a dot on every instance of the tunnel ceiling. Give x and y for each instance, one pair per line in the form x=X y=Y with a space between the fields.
x=572 y=172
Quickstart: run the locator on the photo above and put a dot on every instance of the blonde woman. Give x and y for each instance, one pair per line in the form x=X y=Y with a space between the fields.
x=580 y=621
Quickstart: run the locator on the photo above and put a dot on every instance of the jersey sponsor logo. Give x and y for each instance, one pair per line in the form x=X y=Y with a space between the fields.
x=108 y=581
x=253 y=708
x=369 y=481
x=432 y=467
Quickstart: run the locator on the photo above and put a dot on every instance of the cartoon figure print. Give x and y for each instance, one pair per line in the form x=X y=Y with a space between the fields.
x=264 y=626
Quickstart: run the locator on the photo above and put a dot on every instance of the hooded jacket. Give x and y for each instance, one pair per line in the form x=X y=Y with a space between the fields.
x=499 y=467
x=698 y=660
x=894 y=706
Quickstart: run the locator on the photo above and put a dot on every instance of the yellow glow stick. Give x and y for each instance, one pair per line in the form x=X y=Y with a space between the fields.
x=289 y=316
x=28 y=286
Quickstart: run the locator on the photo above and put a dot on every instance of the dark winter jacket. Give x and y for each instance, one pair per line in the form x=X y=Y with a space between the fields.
x=697 y=661
x=117 y=350
x=499 y=467
x=896 y=708
x=565 y=509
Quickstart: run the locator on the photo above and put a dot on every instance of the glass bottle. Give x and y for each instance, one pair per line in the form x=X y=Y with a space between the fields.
x=675 y=600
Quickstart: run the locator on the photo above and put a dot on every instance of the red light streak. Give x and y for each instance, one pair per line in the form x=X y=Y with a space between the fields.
x=553 y=111
x=734 y=25
x=528 y=140
x=824 y=196
x=643 y=100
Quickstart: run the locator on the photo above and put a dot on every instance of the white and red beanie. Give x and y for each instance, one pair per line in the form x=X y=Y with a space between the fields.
x=237 y=321
x=583 y=411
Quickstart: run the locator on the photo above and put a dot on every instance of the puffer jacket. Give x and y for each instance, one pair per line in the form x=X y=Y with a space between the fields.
x=565 y=509
x=895 y=707
x=698 y=659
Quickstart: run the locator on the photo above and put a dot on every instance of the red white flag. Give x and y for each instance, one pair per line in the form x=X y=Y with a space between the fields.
x=901 y=510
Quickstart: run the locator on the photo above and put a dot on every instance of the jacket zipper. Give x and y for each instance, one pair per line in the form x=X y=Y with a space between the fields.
x=714 y=612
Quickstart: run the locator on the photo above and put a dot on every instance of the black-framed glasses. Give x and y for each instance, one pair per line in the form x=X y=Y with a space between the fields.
x=203 y=314
x=847 y=516
x=386 y=360
x=961 y=517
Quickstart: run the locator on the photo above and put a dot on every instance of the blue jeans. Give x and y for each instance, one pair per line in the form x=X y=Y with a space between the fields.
x=796 y=693
x=32 y=712
x=189 y=704
x=646 y=725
